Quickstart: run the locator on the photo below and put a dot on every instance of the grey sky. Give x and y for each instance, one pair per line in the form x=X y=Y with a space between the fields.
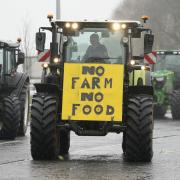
x=14 y=12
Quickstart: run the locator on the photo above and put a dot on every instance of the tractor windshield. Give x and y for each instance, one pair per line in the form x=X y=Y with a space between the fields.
x=168 y=62
x=94 y=44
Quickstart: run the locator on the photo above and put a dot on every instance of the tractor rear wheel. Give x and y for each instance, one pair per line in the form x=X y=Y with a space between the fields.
x=24 y=98
x=11 y=117
x=64 y=142
x=44 y=133
x=138 y=136
x=175 y=104
x=159 y=111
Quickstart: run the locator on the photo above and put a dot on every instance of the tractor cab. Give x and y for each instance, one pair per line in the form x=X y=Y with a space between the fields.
x=169 y=61
x=10 y=58
x=77 y=41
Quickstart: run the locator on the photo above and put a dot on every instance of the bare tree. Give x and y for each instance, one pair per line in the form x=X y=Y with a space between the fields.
x=27 y=43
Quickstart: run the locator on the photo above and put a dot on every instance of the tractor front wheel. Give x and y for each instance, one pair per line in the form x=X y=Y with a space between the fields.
x=11 y=117
x=137 y=141
x=44 y=132
x=175 y=104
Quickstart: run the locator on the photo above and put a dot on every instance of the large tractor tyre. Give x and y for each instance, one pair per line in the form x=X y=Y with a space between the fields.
x=44 y=133
x=159 y=111
x=64 y=142
x=138 y=135
x=11 y=117
x=175 y=105
x=24 y=98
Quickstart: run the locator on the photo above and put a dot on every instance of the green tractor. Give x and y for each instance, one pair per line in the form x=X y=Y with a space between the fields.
x=94 y=91
x=14 y=91
x=166 y=82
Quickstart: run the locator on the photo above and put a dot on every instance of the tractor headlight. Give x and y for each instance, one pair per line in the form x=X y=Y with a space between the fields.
x=159 y=79
x=56 y=60
x=116 y=26
x=132 y=62
x=143 y=67
x=45 y=65
x=159 y=82
x=67 y=25
x=75 y=26
x=123 y=26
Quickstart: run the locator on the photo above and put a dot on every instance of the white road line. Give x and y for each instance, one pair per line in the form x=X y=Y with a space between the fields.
x=10 y=142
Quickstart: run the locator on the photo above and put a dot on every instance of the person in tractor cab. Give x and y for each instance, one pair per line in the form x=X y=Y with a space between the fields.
x=96 y=51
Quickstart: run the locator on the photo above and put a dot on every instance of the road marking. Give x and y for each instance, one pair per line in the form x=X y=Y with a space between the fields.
x=161 y=137
x=20 y=160
x=169 y=151
x=10 y=142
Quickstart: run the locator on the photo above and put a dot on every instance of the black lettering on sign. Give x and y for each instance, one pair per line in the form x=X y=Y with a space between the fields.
x=98 y=109
x=100 y=70
x=74 y=79
x=91 y=70
x=87 y=69
x=74 y=107
x=109 y=110
x=87 y=96
x=108 y=82
x=86 y=109
x=85 y=84
x=98 y=97
x=95 y=82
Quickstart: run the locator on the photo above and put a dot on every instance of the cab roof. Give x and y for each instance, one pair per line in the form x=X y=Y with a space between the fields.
x=100 y=24
x=9 y=44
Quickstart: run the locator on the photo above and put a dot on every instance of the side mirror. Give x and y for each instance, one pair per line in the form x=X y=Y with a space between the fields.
x=21 y=58
x=136 y=33
x=137 y=47
x=40 y=41
x=148 y=43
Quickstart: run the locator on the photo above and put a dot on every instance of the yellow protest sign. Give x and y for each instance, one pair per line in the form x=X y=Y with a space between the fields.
x=92 y=92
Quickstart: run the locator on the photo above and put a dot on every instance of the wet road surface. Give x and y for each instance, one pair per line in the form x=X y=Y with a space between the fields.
x=95 y=158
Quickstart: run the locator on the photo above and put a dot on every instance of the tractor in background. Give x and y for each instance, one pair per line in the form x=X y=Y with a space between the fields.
x=166 y=83
x=14 y=91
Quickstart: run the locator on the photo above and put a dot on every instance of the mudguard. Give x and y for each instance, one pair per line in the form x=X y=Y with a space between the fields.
x=17 y=83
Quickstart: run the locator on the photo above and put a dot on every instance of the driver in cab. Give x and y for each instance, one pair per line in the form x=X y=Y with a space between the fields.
x=96 y=51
